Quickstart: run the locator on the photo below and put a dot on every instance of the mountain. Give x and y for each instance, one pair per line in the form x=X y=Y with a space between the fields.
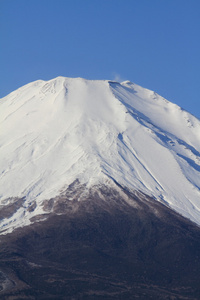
x=100 y=193
x=96 y=132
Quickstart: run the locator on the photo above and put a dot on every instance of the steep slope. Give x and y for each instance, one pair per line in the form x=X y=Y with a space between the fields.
x=56 y=132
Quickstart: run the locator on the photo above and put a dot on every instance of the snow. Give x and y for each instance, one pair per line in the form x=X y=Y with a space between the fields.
x=65 y=129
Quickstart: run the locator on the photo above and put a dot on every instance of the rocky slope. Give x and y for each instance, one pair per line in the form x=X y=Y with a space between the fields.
x=112 y=245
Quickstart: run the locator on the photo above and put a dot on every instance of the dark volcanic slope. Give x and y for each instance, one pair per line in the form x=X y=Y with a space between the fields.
x=103 y=248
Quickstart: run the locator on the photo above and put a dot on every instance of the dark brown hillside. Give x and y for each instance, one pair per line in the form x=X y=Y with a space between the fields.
x=112 y=245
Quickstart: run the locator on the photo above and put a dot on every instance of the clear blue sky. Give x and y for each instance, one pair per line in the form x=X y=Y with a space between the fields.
x=154 y=43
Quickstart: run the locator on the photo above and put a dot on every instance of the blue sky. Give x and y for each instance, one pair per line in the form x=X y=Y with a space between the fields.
x=154 y=43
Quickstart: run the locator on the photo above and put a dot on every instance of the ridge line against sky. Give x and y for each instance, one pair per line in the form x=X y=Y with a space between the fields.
x=155 y=44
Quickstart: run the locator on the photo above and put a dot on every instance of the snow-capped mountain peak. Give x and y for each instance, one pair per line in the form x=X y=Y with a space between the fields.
x=93 y=131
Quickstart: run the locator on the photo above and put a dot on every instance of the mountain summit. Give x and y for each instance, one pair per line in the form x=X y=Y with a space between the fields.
x=100 y=193
x=96 y=132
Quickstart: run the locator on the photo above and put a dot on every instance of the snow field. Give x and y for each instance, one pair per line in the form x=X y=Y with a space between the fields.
x=55 y=132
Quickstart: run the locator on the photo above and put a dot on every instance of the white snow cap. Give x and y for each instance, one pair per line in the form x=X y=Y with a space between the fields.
x=65 y=129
